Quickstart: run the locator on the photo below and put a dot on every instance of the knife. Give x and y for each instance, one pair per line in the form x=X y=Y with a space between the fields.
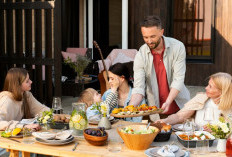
x=74 y=148
x=13 y=140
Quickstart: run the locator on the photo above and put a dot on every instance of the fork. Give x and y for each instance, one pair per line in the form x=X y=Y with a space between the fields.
x=74 y=148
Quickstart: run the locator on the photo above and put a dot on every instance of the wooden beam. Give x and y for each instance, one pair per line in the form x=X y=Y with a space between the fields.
x=27 y=5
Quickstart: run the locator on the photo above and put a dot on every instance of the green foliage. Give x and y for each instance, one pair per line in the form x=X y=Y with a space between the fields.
x=4 y=134
x=47 y=117
x=79 y=65
x=97 y=107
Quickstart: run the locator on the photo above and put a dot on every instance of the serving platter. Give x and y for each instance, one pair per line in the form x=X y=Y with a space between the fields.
x=192 y=143
x=152 y=152
x=137 y=114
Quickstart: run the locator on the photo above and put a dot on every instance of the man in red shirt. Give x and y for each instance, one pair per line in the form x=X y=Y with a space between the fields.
x=159 y=69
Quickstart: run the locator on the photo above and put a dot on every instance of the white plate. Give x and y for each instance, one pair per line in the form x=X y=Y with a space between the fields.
x=111 y=118
x=55 y=142
x=152 y=152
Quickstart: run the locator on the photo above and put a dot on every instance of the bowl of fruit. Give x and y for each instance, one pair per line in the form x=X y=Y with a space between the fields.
x=96 y=136
x=165 y=132
x=137 y=137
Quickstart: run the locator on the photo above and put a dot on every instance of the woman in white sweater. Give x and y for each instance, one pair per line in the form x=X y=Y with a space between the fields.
x=17 y=102
x=217 y=98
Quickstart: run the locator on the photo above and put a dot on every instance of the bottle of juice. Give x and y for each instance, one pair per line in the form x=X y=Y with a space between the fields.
x=229 y=147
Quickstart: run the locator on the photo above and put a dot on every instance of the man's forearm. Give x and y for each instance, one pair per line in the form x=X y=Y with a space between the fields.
x=172 y=95
x=136 y=99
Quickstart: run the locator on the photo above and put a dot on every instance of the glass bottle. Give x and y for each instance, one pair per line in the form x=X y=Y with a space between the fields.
x=229 y=140
x=229 y=146
x=78 y=121
x=56 y=105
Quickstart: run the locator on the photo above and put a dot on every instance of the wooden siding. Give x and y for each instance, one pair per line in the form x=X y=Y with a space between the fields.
x=138 y=9
x=26 y=40
x=197 y=74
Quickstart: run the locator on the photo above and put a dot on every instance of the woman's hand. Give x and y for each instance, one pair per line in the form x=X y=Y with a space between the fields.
x=114 y=84
x=35 y=127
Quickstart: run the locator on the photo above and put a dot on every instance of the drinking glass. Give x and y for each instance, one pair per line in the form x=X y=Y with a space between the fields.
x=209 y=114
x=114 y=145
x=202 y=146
x=56 y=105
x=189 y=129
x=27 y=136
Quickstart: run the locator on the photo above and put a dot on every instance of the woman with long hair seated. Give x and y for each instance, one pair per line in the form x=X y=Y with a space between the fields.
x=218 y=97
x=120 y=88
x=17 y=102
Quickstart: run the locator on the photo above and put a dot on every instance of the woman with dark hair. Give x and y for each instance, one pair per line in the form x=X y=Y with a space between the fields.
x=120 y=88
x=17 y=102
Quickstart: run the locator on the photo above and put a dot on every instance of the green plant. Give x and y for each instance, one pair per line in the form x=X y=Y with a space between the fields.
x=221 y=129
x=79 y=65
x=46 y=117
x=101 y=107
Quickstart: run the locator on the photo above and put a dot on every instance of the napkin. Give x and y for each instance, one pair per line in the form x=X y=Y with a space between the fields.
x=52 y=136
x=168 y=150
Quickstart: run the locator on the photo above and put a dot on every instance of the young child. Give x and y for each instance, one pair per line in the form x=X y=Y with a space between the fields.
x=90 y=96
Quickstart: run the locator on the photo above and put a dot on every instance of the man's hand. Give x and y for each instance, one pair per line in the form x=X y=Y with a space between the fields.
x=165 y=107
x=35 y=127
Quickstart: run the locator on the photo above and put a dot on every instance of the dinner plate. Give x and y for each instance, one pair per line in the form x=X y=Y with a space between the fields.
x=152 y=152
x=111 y=119
x=55 y=142
x=179 y=127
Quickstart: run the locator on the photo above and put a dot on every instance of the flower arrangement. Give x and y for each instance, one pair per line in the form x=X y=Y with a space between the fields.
x=220 y=129
x=46 y=117
x=79 y=65
x=101 y=108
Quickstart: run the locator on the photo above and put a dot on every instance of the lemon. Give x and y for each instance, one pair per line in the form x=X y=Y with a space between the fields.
x=16 y=131
x=77 y=126
x=70 y=124
x=82 y=122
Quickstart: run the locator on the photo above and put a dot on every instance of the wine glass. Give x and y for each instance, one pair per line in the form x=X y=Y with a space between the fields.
x=189 y=129
x=56 y=105
x=208 y=115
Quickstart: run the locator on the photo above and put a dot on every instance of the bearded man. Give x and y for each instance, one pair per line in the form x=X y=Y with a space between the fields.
x=159 y=69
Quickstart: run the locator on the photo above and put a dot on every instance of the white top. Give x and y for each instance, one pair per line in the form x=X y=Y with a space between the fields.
x=209 y=114
x=11 y=110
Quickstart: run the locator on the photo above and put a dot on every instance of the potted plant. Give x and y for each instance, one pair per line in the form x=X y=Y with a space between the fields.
x=79 y=65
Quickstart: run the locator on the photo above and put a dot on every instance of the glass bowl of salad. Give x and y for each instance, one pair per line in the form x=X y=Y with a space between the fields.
x=137 y=137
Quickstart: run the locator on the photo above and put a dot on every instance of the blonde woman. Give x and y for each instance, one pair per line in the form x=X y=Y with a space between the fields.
x=17 y=102
x=218 y=97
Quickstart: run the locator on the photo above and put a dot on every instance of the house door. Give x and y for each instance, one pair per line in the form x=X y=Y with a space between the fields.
x=107 y=25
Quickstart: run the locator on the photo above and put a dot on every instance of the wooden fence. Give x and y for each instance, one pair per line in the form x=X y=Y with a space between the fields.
x=30 y=37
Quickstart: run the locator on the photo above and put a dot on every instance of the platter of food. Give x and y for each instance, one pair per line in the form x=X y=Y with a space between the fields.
x=131 y=111
x=184 y=139
x=15 y=133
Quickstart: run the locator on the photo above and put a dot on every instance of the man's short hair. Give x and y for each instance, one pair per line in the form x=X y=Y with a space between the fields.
x=150 y=21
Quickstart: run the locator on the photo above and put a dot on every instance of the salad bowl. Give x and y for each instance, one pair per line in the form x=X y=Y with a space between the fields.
x=137 y=137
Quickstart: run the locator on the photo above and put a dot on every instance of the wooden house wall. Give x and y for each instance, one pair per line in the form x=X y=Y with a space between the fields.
x=196 y=73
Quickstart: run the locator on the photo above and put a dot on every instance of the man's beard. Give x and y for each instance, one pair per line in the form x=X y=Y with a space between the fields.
x=156 y=44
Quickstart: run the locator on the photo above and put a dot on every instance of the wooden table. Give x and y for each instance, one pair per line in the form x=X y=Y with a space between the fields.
x=83 y=148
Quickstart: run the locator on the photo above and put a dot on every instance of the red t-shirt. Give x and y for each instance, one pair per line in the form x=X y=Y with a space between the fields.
x=162 y=81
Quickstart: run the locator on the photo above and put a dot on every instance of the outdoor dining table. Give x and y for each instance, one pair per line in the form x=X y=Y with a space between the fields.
x=86 y=149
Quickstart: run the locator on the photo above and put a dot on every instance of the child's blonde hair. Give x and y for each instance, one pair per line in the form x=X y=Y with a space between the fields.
x=87 y=96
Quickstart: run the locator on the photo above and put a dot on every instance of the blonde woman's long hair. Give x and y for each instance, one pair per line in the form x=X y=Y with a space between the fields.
x=223 y=82
x=87 y=96
x=13 y=82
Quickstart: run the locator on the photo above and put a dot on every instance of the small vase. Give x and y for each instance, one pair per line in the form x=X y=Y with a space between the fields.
x=221 y=145
x=104 y=122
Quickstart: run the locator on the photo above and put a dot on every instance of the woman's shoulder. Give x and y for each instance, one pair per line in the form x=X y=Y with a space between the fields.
x=6 y=98
x=6 y=94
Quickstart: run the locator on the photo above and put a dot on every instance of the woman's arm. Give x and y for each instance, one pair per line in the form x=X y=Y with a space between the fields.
x=35 y=106
x=178 y=117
